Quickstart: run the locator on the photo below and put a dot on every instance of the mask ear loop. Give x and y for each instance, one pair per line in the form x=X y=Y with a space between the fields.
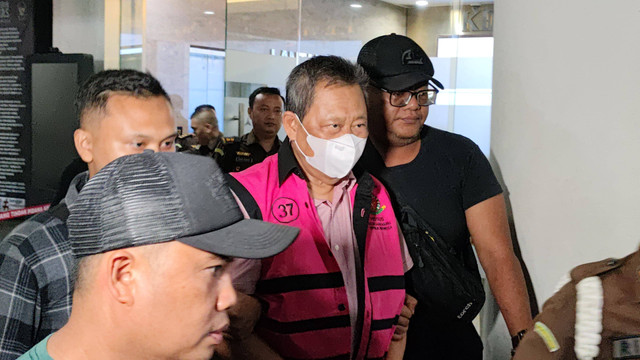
x=296 y=142
x=300 y=121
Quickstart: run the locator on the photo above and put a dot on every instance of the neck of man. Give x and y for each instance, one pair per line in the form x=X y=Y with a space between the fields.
x=320 y=185
x=92 y=169
x=83 y=337
x=397 y=151
x=320 y=188
x=213 y=142
x=265 y=141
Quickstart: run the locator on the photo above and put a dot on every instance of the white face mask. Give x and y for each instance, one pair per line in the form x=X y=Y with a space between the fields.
x=334 y=157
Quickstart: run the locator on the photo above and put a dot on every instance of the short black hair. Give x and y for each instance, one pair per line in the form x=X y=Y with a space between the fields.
x=207 y=115
x=201 y=108
x=302 y=82
x=96 y=90
x=264 y=90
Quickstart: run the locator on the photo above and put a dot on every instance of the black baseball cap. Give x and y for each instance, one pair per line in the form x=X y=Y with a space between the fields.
x=395 y=62
x=152 y=198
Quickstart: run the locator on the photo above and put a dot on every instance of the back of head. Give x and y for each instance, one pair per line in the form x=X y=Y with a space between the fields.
x=395 y=63
x=206 y=116
x=263 y=90
x=96 y=90
x=202 y=108
x=331 y=70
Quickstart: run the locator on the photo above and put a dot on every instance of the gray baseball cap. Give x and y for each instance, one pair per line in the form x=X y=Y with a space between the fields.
x=152 y=198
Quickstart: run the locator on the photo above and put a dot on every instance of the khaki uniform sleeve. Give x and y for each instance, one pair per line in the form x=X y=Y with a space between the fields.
x=553 y=327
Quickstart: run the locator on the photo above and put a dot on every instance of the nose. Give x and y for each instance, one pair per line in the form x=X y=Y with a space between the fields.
x=155 y=147
x=413 y=103
x=227 y=296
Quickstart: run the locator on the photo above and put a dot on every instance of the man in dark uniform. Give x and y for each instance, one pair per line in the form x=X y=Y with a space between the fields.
x=210 y=142
x=265 y=110
x=595 y=315
x=185 y=142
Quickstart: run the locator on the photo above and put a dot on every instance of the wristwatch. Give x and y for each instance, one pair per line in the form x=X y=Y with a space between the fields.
x=515 y=340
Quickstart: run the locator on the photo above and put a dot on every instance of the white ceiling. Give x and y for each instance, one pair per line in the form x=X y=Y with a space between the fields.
x=407 y=3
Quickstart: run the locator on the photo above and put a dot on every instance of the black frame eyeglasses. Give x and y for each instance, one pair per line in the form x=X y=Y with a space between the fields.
x=402 y=98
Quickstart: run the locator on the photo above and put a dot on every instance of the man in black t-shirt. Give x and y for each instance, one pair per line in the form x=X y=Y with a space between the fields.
x=448 y=181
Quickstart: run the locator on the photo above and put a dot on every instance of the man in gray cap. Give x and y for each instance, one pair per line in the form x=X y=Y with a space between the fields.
x=447 y=180
x=152 y=245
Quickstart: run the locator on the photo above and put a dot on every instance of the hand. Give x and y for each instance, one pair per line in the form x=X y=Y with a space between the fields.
x=408 y=309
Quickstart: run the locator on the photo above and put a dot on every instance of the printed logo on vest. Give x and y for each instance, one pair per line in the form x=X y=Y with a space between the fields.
x=627 y=348
x=376 y=208
x=285 y=210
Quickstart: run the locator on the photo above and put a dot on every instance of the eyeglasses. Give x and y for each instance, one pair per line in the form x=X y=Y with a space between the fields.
x=402 y=98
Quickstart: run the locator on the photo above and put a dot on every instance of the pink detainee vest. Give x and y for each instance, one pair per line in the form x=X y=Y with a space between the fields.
x=306 y=314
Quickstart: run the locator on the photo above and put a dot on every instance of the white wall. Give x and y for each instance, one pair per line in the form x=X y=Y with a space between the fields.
x=566 y=129
x=170 y=28
x=78 y=27
x=245 y=67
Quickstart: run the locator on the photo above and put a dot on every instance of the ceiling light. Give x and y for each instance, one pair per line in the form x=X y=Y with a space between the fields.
x=356 y=6
x=422 y=3
x=209 y=13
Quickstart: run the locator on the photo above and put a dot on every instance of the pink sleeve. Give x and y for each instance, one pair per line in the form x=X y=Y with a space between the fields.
x=245 y=273
x=407 y=262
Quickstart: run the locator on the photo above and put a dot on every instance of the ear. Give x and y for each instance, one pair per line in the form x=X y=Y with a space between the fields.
x=249 y=111
x=84 y=144
x=291 y=124
x=375 y=119
x=122 y=279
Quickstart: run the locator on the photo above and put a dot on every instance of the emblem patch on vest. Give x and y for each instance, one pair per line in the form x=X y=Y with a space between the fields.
x=378 y=222
x=285 y=210
x=627 y=348
x=376 y=208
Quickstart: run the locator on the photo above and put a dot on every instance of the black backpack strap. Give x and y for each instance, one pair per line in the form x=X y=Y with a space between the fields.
x=247 y=200
x=60 y=211
x=361 y=213
x=362 y=210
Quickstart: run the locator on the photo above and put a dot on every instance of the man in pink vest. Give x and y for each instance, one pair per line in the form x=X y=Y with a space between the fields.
x=338 y=290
